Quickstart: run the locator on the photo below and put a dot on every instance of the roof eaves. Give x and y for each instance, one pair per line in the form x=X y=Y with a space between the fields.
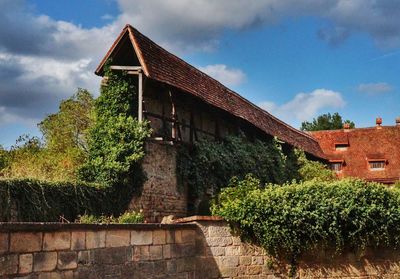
x=138 y=51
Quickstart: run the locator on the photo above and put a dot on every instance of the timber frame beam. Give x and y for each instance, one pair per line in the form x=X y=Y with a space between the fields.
x=134 y=70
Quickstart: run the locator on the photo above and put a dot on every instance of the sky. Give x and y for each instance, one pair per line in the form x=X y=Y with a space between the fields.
x=297 y=59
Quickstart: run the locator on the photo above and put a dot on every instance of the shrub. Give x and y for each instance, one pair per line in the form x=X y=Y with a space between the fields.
x=40 y=201
x=294 y=218
x=313 y=170
x=129 y=217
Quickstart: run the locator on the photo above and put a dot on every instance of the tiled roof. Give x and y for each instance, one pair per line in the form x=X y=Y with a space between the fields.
x=162 y=66
x=365 y=144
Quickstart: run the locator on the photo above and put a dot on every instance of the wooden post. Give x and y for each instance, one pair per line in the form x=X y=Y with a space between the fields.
x=173 y=115
x=140 y=97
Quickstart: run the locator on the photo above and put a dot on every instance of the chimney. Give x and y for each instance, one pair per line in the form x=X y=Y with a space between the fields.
x=398 y=121
x=378 y=122
x=346 y=126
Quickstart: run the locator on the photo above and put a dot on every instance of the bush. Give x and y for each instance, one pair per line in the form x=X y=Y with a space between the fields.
x=294 y=218
x=40 y=201
x=129 y=217
x=313 y=170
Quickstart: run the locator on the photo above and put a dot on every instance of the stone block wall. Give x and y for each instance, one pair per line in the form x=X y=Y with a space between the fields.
x=39 y=251
x=161 y=195
x=225 y=256
x=197 y=248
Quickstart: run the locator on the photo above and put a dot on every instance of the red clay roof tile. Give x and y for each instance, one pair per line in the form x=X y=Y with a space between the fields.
x=167 y=68
x=365 y=144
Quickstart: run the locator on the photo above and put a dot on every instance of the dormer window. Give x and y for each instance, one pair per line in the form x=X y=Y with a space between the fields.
x=341 y=146
x=336 y=165
x=377 y=164
x=376 y=161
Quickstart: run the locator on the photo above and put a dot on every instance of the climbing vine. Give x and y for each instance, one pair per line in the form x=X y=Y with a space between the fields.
x=32 y=200
x=116 y=140
x=209 y=165
x=106 y=181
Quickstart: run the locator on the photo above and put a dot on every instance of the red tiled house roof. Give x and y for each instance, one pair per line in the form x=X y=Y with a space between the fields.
x=162 y=66
x=364 y=145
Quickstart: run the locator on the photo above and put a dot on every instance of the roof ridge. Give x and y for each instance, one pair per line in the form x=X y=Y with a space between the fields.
x=354 y=129
x=161 y=65
x=227 y=88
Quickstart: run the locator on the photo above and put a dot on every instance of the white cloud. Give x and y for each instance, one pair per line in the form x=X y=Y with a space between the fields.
x=374 y=88
x=43 y=60
x=224 y=74
x=107 y=17
x=305 y=106
x=186 y=25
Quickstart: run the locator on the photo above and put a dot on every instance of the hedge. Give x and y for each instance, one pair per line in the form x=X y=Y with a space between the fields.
x=294 y=218
x=41 y=201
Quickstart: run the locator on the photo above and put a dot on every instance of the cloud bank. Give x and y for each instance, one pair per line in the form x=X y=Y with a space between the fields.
x=374 y=88
x=224 y=74
x=43 y=60
x=305 y=106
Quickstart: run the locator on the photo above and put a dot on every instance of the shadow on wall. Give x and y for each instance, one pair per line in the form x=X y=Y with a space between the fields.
x=204 y=248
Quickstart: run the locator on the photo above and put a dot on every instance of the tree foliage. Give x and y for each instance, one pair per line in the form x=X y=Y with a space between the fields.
x=63 y=149
x=4 y=159
x=116 y=140
x=326 y=122
x=67 y=128
x=291 y=219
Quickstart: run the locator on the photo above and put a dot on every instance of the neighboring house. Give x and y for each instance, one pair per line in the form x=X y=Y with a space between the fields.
x=369 y=153
x=184 y=105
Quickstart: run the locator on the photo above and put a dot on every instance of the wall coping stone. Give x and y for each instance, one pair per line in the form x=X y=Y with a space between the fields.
x=37 y=227
x=197 y=218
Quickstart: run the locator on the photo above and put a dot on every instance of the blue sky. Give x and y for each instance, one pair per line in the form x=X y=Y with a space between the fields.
x=296 y=59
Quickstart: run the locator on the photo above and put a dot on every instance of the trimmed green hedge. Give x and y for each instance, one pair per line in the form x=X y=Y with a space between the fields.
x=40 y=201
x=294 y=218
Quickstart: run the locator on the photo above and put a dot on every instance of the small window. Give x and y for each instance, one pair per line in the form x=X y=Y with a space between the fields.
x=341 y=146
x=337 y=166
x=377 y=165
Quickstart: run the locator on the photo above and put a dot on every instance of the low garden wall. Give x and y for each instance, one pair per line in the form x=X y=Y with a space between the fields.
x=97 y=251
x=196 y=247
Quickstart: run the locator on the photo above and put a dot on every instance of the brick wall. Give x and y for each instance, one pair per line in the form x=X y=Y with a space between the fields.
x=204 y=248
x=160 y=196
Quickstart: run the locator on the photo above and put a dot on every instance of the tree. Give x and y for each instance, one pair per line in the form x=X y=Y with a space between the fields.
x=3 y=158
x=326 y=122
x=67 y=128
x=63 y=150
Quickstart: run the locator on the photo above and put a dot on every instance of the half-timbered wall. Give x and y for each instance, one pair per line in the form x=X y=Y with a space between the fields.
x=176 y=118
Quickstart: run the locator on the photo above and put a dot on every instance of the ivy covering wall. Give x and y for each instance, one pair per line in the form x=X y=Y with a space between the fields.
x=105 y=180
x=29 y=200
x=208 y=166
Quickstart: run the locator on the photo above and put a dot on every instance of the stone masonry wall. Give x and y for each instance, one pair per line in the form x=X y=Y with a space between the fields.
x=202 y=249
x=160 y=196
x=42 y=251
x=226 y=256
